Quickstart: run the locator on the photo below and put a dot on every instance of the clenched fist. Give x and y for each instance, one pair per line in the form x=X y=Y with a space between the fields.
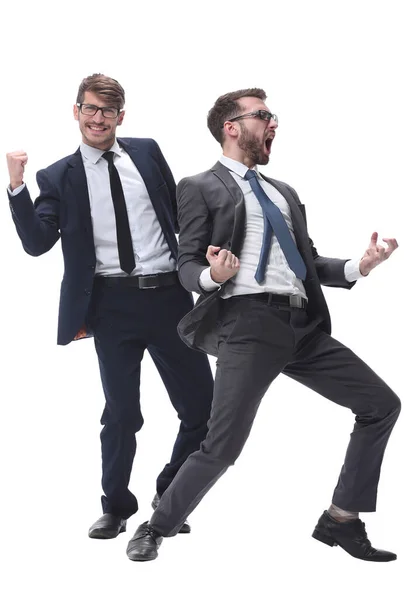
x=223 y=264
x=16 y=161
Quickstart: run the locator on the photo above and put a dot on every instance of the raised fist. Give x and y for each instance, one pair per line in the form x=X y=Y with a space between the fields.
x=16 y=161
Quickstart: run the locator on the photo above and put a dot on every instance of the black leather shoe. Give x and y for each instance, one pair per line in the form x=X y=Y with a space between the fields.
x=107 y=527
x=145 y=543
x=351 y=536
x=185 y=527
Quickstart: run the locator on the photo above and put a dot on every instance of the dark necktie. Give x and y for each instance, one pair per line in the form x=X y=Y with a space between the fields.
x=123 y=232
x=274 y=223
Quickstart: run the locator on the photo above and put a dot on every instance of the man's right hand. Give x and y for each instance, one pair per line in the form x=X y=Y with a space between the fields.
x=223 y=264
x=16 y=161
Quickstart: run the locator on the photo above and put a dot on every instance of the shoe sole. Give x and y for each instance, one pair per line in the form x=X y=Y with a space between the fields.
x=142 y=559
x=321 y=537
x=102 y=534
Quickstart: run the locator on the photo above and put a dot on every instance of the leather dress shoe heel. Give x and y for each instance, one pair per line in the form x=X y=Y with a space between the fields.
x=351 y=537
x=185 y=528
x=144 y=544
x=325 y=539
x=107 y=527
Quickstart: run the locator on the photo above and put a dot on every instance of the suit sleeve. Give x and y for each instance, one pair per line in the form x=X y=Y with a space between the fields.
x=169 y=179
x=37 y=224
x=331 y=271
x=195 y=234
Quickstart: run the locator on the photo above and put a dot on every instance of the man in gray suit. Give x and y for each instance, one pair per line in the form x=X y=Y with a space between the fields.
x=244 y=247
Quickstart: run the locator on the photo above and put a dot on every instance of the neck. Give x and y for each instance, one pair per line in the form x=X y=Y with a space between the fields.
x=238 y=154
x=104 y=146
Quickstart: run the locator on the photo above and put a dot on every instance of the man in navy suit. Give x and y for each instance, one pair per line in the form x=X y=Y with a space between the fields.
x=113 y=205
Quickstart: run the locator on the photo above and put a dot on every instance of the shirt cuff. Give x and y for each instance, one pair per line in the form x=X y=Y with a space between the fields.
x=206 y=282
x=16 y=190
x=351 y=270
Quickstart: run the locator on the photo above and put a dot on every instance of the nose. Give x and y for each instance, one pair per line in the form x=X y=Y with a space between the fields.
x=273 y=124
x=98 y=117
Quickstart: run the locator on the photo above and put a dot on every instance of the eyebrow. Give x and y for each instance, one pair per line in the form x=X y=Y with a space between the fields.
x=97 y=106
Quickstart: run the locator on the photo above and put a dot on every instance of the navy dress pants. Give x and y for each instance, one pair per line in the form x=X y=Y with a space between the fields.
x=125 y=322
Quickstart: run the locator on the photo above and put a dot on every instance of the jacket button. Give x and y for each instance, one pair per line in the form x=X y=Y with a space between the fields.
x=88 y=292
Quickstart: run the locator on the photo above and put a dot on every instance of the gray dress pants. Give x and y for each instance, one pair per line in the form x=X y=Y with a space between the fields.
x=258 y=341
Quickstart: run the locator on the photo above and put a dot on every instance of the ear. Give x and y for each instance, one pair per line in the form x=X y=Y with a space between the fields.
x=121 y=117
x=231 y=129
x=75 y=112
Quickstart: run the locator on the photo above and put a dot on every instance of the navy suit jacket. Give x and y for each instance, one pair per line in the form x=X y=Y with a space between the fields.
x=62 y=210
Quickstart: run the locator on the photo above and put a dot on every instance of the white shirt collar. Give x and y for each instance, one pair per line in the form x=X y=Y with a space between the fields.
x=94 y=154
x=236 y=166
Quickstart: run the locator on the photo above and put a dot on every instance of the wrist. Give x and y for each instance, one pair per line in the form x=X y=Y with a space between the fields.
x=15 y=184
x=215 y=277
x=364 y=271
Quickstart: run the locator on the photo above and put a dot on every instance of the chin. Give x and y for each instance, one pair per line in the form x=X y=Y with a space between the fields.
x=97 y=142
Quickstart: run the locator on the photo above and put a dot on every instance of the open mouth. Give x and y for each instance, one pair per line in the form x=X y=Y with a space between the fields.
x=96 y=129
x=268 y=144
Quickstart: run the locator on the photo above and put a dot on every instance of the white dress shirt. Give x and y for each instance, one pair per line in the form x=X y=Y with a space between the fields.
x=151 y=251
x=279 y=278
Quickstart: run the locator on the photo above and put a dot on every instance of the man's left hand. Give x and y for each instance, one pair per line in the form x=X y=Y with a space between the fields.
x=376 y=254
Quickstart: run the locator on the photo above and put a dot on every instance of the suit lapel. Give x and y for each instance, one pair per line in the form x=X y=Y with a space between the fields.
x=144 y=166
x=79 y=185
x=149 y=170
x=239 y=207
x=298 y=217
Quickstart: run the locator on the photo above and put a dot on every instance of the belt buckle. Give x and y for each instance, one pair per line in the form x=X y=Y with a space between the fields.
x=147 y=287
x=295 y=301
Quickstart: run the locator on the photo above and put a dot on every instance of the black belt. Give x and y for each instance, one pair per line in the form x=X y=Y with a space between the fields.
x=291 y=301
x=143 y=282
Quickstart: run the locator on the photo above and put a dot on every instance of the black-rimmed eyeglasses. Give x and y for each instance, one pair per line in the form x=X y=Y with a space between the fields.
x=264 y=115
x=109 y=112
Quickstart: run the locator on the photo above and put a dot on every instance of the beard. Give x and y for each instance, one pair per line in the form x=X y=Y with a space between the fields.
x=102 y=141
x=252 y=146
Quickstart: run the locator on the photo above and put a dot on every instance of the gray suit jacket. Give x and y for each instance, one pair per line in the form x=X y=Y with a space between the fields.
x=211 y=210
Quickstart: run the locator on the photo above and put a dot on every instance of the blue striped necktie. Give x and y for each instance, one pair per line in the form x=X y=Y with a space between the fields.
x=274 y=223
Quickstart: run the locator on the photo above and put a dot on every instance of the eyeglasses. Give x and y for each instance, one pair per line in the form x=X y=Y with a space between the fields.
x=264 y=115
x=107 y=111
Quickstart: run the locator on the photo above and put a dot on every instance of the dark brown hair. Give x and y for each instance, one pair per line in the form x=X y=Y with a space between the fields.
x=103 y=86
x=226 y=107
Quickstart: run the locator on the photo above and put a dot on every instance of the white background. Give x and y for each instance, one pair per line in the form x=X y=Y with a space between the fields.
x=339 y=75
